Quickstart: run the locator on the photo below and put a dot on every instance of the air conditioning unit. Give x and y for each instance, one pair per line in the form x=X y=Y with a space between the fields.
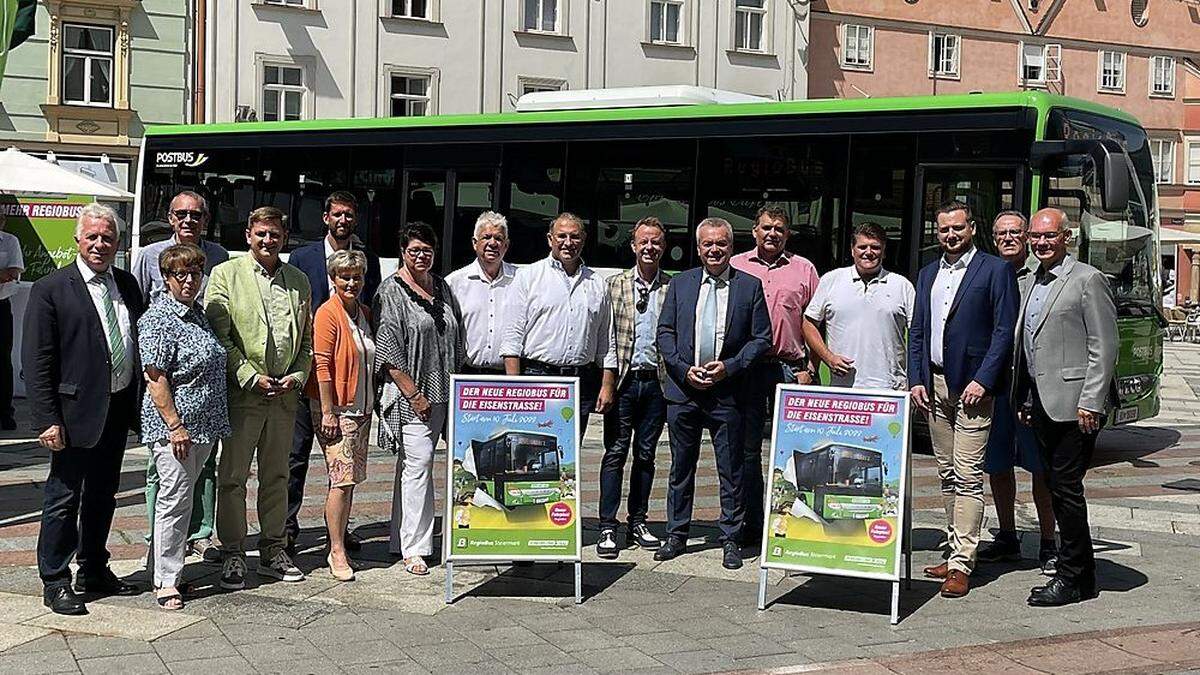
x=244 y=113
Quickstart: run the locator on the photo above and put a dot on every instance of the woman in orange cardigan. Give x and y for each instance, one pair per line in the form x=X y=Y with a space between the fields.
x=343 y=358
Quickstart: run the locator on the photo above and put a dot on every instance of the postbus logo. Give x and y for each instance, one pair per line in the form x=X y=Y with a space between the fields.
x=176 y=158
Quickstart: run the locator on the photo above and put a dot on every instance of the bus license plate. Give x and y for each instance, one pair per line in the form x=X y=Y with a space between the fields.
x=1125 y=415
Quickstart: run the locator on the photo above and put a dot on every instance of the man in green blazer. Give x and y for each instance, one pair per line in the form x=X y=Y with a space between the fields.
x=259 y=308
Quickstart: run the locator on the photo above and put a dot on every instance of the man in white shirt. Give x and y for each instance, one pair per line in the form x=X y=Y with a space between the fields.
x=12 y=263
x=481 y=288
x=864 y=312
x=559 y=321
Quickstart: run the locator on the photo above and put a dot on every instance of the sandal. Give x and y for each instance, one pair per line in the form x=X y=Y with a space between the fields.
x=171 y=603
x=416 y=565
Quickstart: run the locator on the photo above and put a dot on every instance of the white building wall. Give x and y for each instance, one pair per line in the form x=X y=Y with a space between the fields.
x=477 y=54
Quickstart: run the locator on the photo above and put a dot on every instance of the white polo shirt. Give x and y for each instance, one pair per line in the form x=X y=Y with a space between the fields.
x=10 y=256
x=866 y=322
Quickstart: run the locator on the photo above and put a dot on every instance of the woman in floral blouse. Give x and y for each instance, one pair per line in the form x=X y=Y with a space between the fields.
x=184 y=411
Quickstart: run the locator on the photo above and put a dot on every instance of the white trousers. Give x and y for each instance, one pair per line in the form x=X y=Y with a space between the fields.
x=173 y=508
x=412 y=492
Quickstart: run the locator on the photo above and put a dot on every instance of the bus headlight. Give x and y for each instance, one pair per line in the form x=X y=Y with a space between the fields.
x=1135 y=386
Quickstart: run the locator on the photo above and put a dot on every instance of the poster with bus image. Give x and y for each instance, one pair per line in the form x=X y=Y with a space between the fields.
x=835 y=502
x=512 y=469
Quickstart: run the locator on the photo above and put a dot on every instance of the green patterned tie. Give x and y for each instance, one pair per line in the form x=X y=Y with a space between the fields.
x=116 y=343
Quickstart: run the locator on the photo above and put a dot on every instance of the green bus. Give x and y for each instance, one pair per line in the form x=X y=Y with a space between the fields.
x=831 y=163
x=840 y=482
x=519 y=468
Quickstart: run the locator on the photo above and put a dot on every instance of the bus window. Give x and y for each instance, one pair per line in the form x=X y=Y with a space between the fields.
x=987 y=190
x=474 y=194
x=226 y=177
x=531 y=192
x=881 y=178
x=805 y=176
x=374 y=182
x=614 y=185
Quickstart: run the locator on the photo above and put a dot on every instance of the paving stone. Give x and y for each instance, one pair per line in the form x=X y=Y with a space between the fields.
x=524 y=657
x=265 y=654
x=126 y=664
x=353 y=651
x=667 y=642
x=746 y=645
x=102 y=619
x=199 y=629
x=306 y=666
x=616 y=660
x=439 y=656
x=189 y=649
x=1051 y=658
x=12 y=635
x=211 y=666
x=487 y=638
x=29 y=663
x=573 y=641
x=90 y=646
x=398 y=667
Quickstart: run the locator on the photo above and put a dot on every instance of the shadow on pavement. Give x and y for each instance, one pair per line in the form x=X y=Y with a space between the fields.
x=865 y=596
x=1131 y=444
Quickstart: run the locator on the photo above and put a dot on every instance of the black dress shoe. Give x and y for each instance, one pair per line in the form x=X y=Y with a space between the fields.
x=732 y=560
x=673 y=548
x=104 y=583
x=8 y=424
x=1059 y=592
x=62 y=600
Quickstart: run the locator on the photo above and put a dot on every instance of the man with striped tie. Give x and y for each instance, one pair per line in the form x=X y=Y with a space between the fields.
x=81 y=377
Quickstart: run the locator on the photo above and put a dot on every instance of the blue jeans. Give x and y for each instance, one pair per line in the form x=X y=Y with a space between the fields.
x=636 y=419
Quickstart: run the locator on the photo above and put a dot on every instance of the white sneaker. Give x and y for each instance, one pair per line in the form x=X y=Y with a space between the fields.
x=606 y=547
x=281 y=568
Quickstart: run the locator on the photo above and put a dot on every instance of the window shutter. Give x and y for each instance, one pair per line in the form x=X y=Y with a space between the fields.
x=1053 y=66
x=932 y=64
x=1021 y=62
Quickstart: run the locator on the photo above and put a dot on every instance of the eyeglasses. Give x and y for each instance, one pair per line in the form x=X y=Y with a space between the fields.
x=419 y=252
x=184 y=214
x=1008 y=234
x=1044 y=236
x=643 y=299
x=185 y=275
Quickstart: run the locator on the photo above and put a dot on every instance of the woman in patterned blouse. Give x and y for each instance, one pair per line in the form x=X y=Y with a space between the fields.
x=419 y=342
x=184 y=411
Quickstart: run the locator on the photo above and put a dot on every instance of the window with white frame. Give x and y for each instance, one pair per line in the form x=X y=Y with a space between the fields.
x=750 y=25
x=666 y=21
x=1162 y=153
x=87 y=65
x=540 y=16
x=943 y=54
x=1040 y=64
x=1111 y=71
x=1193 y=162
x=858 y=49
x=1162 y=76
x=286 y=3
x=283 y=92
x=410 y=94
x=411 y=9
x=532 y=85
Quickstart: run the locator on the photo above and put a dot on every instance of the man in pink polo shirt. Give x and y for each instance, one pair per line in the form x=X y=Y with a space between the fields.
x=788 y=281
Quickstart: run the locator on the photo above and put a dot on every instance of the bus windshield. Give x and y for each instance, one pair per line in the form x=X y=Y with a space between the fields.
x=857 y=472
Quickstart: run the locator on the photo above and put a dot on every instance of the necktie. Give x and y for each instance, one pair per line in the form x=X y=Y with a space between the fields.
x=116 y=342
x=708 y=325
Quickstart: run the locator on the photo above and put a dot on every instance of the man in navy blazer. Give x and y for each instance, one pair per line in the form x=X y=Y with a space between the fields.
x=959 y=351
x=341 y=214
x=712 y=327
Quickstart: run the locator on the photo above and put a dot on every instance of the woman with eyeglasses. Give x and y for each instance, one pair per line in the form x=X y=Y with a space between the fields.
x=184 y=411
x=419 y=343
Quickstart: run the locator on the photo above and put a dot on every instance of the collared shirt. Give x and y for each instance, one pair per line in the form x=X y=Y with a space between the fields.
x=1038 y=294
x=788 y=285
x=557 y=318
x=941 y=297
x=865 y=321
x=329 y=251
x=277 y=308
x=10 y=256
x=149 y=275
x=177 y=340
x=124 y=375
x=482 y=302
x=722 y=281
x=645 y=323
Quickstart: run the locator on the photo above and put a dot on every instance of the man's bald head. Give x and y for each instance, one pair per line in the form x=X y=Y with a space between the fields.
x=1049 y=231
x=1051 y=215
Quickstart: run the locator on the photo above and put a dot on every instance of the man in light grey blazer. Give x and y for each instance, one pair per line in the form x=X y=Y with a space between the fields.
x=1066 y=358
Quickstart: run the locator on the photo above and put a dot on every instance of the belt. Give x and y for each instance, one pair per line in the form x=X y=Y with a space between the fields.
x=644 y=374
x=936 y=369
x=551 y=369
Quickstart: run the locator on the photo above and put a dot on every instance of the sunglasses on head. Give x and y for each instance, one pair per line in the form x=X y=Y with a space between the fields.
x=643 y=299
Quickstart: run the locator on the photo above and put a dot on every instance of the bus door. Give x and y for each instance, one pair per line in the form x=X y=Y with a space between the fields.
x=449 y=200
x=987 y=188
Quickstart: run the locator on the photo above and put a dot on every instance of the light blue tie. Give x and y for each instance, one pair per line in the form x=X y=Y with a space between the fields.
x=708 y=325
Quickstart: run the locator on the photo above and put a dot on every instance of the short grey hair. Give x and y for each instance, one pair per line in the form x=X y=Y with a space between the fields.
x=346 y=259
x=97 y=211
x=1012 y=213
x=493 y=219
x=714 y=222
x=190 y=194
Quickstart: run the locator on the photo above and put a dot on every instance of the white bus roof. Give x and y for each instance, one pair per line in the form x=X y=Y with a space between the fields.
x=630 y=97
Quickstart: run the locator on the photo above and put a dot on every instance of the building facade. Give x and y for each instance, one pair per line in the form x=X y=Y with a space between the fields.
x=94 y=74
x=305 y=59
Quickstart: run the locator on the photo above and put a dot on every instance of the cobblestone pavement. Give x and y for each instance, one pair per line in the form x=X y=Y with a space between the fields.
x=686 y=615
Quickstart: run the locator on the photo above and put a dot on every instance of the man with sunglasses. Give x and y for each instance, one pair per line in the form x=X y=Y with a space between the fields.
x=189 y=218
x=635 y=375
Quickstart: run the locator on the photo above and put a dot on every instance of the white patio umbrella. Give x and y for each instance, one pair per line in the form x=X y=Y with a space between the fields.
x=21 y=173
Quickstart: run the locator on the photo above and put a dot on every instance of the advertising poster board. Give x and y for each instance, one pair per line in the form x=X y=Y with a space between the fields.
x=836 y=494
x=512 y=471
x=45 y=226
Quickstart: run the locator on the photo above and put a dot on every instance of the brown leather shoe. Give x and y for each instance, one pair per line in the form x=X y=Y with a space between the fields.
x=937 y=571
x=955 y=585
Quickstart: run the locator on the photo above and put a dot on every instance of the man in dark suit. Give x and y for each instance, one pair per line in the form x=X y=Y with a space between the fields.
x=712 y=328
x=959 y=350
x=341 y=214
x=84 y=405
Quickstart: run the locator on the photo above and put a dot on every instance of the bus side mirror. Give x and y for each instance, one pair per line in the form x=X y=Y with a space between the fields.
x=1108 y=157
